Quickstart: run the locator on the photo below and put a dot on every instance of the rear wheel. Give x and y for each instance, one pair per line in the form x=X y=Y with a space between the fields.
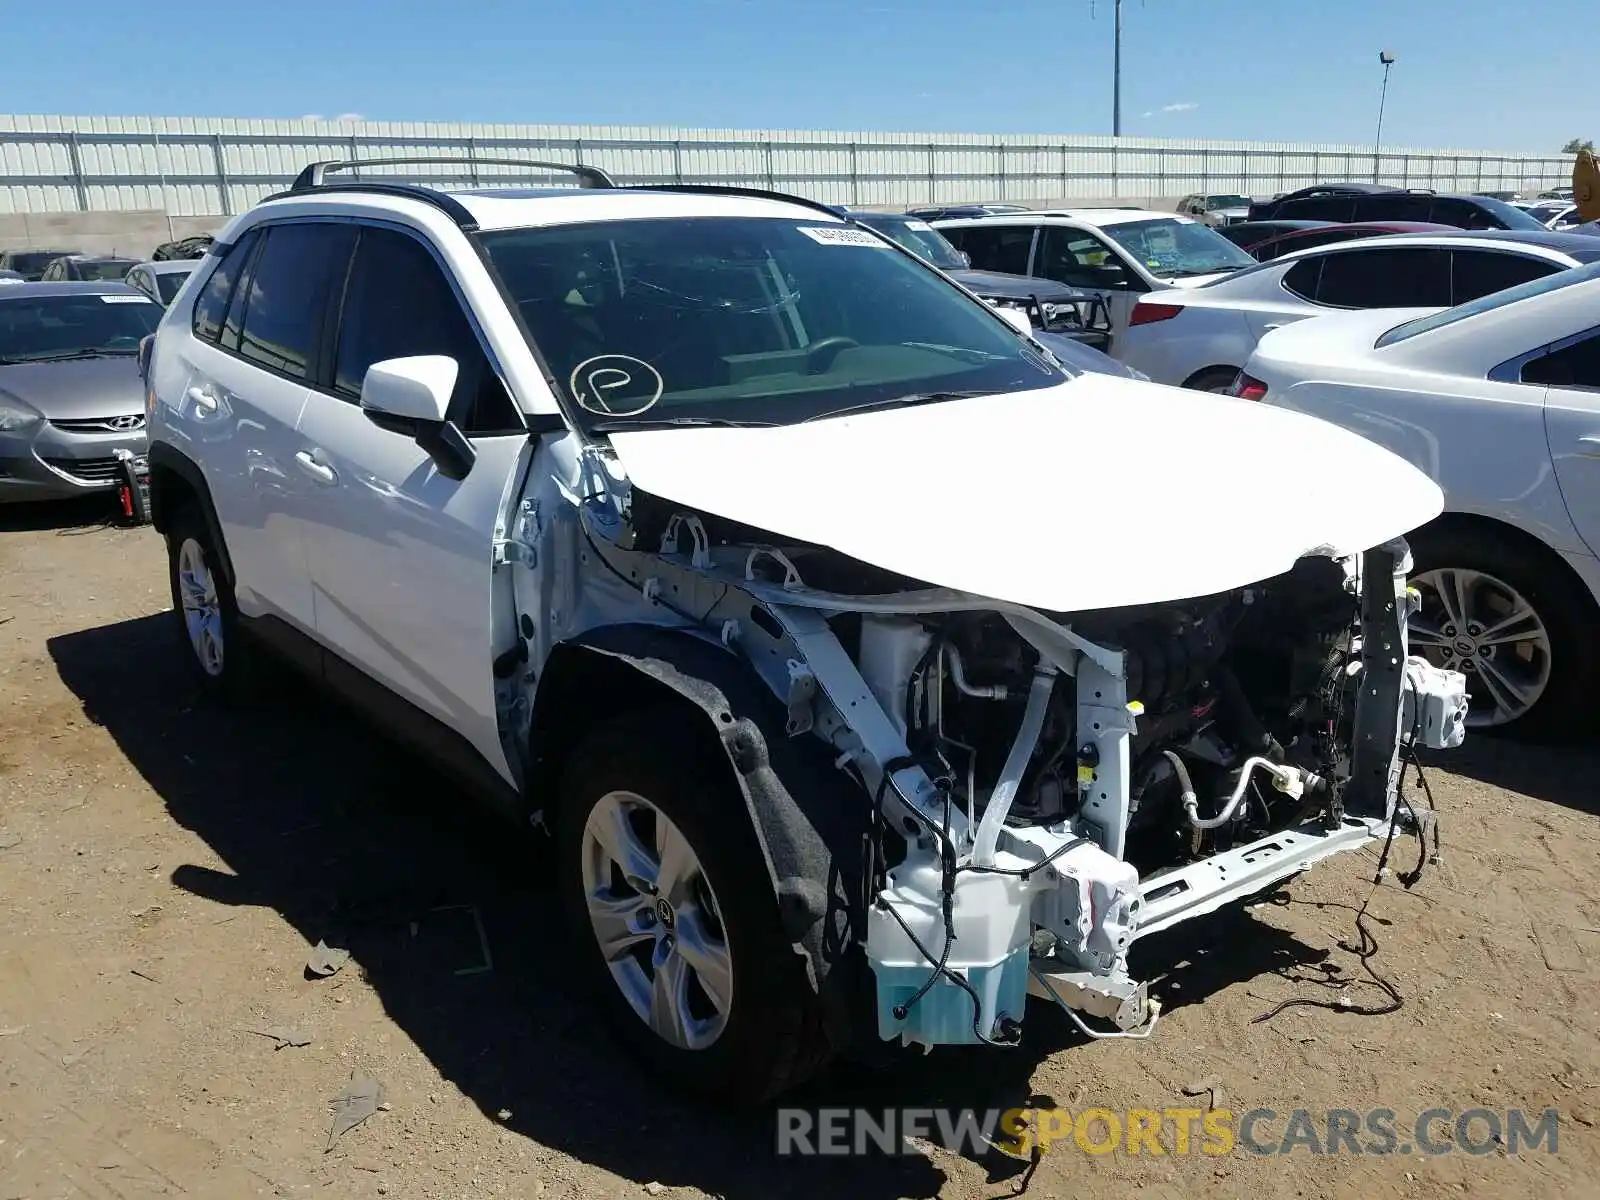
x=1218 y=379
x=203 y=605
x=1509 y=619
x=674 y=918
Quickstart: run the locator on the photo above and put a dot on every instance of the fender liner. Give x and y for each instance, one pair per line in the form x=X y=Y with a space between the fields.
x=812 y=821
x=163 y=456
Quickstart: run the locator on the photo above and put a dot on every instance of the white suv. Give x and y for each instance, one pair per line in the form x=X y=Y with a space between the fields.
x=799 y=594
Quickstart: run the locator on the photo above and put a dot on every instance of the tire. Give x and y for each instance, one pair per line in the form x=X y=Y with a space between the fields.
x=205 y=615
x=1552 y=675
x=1218 y=379
x=754 y=1029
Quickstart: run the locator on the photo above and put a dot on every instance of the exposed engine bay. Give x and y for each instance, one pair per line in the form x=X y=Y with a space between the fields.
x=1046 y=788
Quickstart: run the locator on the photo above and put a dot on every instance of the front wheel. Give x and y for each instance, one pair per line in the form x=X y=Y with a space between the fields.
x=1512 y=622
x=674 y=918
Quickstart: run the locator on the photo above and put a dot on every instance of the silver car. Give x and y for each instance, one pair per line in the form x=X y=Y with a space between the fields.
x=161 y=280
x=70 y=392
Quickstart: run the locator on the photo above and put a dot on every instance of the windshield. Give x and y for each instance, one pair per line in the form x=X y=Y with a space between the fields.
x=1213 y=203
x=104 y=269
x=760 y=320
x=1171 y=249
x=1510 y=215
x=31 y=262
x=43 y=327
x=1494 y=300
x=919 y=237
x=168 y=283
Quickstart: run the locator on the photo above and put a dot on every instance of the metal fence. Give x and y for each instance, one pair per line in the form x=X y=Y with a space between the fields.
x=195 y=167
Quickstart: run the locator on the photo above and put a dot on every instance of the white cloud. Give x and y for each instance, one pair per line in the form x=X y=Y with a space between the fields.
x=1185 y=106
x=318 y=116
x=349 y=117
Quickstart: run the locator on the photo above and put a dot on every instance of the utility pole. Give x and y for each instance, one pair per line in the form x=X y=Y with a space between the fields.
x=1387 y=60
x=1116 y=77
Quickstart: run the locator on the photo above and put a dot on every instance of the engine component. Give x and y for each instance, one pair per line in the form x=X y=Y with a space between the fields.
x=994 y=815
x=1092 y=911
x=891 y=650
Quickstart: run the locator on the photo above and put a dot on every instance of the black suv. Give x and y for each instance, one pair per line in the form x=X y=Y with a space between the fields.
x=1343 y=204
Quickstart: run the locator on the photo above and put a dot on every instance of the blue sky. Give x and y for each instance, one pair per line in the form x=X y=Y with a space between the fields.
x=1467 y=75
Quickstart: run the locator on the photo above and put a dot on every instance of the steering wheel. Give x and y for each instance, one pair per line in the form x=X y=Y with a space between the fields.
x=820 y=354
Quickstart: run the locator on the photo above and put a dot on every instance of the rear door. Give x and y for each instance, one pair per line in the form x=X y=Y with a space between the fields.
x=1571 y=375
x=258 y=334
x=402 y=557
x=1003 y=248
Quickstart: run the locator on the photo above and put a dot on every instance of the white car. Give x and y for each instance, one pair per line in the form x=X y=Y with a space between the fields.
x=1200 y=338
x=1498 y=400
x=1119 y=253
x=724 y=539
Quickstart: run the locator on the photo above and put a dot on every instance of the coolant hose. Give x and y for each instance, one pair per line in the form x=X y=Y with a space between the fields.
x=1290 y=779
x=1005 y=788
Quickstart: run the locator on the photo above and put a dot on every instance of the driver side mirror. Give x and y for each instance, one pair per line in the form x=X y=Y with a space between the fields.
x=1109 y=275
x=411 y=397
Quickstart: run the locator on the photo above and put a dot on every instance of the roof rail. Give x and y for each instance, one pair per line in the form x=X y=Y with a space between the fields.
x=714 y=189
x=315 y=175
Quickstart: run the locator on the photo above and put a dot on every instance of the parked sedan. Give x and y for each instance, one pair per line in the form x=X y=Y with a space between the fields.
x=1498 y=400
x=161 y=280
x=1326 y=233
x=30 y=264
x=1248 y=234
x=70 y=393
x=88 y=268
x=1201 y=338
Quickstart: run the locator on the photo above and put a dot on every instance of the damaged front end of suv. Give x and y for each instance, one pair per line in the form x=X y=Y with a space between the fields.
x=978 y=793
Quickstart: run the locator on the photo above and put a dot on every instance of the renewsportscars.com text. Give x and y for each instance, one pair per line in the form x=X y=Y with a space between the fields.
x=1162 y=1131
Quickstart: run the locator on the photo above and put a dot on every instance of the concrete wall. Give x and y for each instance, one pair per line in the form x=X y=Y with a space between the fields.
x=134 y=233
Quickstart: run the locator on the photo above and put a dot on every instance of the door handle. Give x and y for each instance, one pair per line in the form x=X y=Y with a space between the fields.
x=320 y=471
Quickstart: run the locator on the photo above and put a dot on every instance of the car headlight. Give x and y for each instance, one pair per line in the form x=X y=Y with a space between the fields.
x=16 y=416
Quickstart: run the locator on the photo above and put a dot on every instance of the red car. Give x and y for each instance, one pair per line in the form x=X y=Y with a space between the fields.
x=1305 y=239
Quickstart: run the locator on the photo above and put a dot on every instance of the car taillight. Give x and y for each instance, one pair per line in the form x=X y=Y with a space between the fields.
x=1146 y=312
x=1247 y=387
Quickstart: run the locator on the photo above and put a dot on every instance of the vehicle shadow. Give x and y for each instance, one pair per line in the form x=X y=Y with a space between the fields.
x=66 y=516
x=1560 y=773
x=354 y=842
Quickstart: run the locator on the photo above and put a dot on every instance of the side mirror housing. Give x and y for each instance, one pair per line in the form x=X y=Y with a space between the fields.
x=411 y=397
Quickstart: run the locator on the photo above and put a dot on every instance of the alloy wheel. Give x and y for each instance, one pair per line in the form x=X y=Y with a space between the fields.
x=1476 y=623
x=656 y=920
x=202 y=611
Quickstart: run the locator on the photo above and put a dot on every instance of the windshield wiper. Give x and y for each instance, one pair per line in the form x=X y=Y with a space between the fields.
x=634 y=425
x=67 y=355
x=907 y=401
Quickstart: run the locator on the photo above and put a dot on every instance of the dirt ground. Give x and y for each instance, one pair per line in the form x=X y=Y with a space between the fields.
x=166 y=868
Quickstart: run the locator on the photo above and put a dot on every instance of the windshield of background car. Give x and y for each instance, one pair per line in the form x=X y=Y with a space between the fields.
x=1214 y=203
x=1171 y=249
x=919 y=237
x=32 y=262
x=766 y=320
x=1510 y=215
x=105 y=270
x=36 y=328
x=1494 y=300
x=168 y=283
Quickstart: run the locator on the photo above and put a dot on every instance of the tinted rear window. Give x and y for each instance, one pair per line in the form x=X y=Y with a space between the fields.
x=1489 y=303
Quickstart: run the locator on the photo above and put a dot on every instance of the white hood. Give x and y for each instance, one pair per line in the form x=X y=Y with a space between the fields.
x=1099 y=493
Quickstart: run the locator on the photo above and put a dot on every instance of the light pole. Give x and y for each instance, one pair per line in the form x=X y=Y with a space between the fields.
x=1116 y=77
x=1387 y=60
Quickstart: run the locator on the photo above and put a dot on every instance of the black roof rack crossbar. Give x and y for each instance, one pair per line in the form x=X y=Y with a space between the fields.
x=715 y=189
x=443 y=201
x=315 y=175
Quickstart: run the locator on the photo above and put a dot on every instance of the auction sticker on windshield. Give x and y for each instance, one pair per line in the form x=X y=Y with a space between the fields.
x=919 y=226
x=842 y=236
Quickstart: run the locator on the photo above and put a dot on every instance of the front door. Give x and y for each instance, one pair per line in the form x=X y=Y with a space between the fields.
x=1087 y=263
x=402 y=563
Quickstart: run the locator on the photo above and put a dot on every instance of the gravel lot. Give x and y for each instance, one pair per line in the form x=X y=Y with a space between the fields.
x=166 y=868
